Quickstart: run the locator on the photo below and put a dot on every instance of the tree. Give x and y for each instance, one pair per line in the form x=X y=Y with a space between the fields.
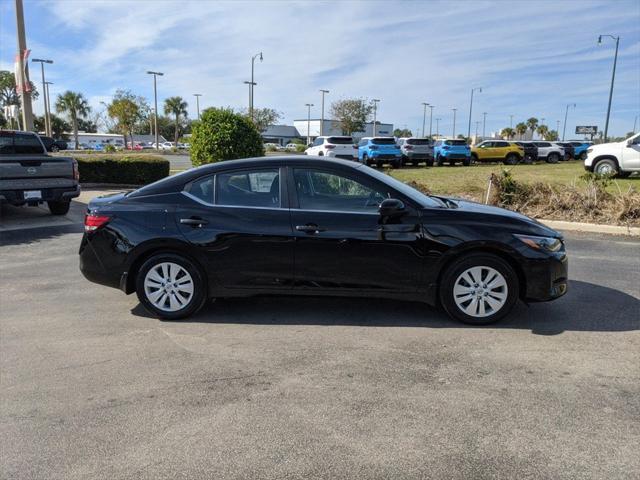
x=178 y=107
x=542 y=130
x=125 y=110
x=58 y=125
x=532 y=124
x=221 y=134
x=352 y=113
x=8 y=93
x=552 y=136
x=507 y=133
x=76 y=106
x=263 y=118
x=521 y=129
x=402 y=132
x=87 y=125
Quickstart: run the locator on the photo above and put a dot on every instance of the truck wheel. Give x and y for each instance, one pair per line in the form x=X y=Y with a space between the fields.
x=60 y=207
x=553 y=158
x=606 y=167
x=511 y=159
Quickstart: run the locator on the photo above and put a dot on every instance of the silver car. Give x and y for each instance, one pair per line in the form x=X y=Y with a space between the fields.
x=416 y=150
x=548 y=151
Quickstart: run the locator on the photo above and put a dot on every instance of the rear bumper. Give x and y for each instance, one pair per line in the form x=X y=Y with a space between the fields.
x=547 y=279
x=93 y=269
x=16 y=197
x=418 y=156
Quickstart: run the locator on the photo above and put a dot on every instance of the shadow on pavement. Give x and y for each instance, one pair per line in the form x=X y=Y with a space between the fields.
x=587 y=307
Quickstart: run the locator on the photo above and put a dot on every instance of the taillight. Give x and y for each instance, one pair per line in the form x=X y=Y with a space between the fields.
x=76 y=171
x=93 y=222
x=329 y=147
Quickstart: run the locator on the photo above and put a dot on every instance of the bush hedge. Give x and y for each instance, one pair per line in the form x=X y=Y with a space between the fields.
x=122 y=169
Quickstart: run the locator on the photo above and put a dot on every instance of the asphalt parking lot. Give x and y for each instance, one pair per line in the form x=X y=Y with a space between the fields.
x=92 y=387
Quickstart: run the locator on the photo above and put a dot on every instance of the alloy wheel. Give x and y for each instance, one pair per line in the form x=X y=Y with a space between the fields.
x=480 y=291
x=169 y=287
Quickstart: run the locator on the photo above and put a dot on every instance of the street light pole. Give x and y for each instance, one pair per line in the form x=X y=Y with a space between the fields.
x=438 y=127
x=510 y=121
x=424 y=116
x=454 y=122
x=475 y=140
x=155 y=101
x=47 y=119
x=198 y=95
x=484 y=123
x=430 y=119
x=48 y=106
x=613 y=78
x=253 y=61
x=322 y=115
x=566 y=112
x=479 y=89
x=251 y=84
x=375 y=113
x=308 y=105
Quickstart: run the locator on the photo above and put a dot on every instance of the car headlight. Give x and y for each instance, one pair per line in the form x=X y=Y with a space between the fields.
x=589 y=150
x=548 y=244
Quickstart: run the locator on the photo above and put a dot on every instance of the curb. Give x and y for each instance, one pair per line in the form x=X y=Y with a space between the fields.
x=591 y=227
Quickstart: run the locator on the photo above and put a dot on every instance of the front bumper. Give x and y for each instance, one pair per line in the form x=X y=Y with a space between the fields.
x=16 y=197
x=547 y=279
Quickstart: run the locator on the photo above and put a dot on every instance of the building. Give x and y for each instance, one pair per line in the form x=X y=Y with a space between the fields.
x=332 y=127
x=280 y=134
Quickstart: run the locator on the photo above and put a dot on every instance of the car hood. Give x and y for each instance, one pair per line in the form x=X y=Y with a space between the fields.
x=501 y=215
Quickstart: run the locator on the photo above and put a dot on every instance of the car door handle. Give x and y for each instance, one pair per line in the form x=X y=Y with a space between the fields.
x=194 y=222
x=310 y=228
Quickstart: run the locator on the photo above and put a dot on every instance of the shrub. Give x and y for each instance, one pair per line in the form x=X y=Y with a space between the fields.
x=222 y=134
x=109 y=148
x=301 y=148
x=122 y=169
x=271 y=148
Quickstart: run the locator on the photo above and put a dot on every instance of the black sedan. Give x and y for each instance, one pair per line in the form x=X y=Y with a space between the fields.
x=312 y=226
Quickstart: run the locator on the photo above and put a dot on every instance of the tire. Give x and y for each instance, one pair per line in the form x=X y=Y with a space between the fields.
x=60 y=207
x=553 y=158
x=440 y=161
x=396 y=164
x=365 y=159
x=164 y=267
x=55 y=148
x=606 y=167
x=583 y=156
x=466 y=162
x=474 y=158
x=321 y=153
x=496 y=303
x=527 y=160
x=429 y=163
x=511 y=159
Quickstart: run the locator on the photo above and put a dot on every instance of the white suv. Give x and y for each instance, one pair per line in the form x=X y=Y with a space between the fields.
x=334 y=147
x=617 y=158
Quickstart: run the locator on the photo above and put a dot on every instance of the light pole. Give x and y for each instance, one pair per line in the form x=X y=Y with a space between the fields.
x=430 y=119
x=566 y=112
x=251 y=84
x=510 y=121
x=558 y=129
x=424 y=116
x=375 y=113
x=49 y=106
x=322 y=115
x=613 y=77
x=198 y=95
x=454 y=122
x=155 y=101
x=484 y=123
x=635 y=122
x=47 y=119
x=308 y=105
x=479 y=89
x=438 y=127
x=253 y=61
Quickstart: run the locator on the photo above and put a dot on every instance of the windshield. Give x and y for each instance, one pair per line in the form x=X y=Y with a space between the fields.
x=340 y=140
x=384 y=141
x=457 y=143
x=415 y=195
x=12 y=143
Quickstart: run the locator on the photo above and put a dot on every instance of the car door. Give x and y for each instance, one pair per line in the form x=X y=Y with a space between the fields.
x=342 y=242
x=631 y=154
x=485 y=151
x=239 y=219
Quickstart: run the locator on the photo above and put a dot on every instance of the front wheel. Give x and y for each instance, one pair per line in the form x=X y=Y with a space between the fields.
x=606 y=167
x=553 y=158
x=583 y=156
x=170 y=286
x=59 y=207
x=479 y=289
x=365 y=159
x=511 y=159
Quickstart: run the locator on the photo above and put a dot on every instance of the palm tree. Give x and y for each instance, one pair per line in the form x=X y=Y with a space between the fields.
x=507 y=133
x=75 y=105
x=521 y=129
x=532 y=124
x=175 y=106
x=543 y=131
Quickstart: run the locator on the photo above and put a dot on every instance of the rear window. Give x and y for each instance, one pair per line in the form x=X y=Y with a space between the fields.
x=19 y=143
x=340 y=140
x=384 y=141
x=418 y=141
x=455 y=142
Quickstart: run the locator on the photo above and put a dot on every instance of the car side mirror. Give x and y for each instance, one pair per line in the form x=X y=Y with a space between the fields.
x=391 y=207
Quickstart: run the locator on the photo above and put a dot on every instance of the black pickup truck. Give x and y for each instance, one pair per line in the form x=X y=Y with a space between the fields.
x=28 y=175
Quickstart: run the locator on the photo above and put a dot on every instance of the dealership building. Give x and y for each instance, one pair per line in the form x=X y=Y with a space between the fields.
x=283 y=134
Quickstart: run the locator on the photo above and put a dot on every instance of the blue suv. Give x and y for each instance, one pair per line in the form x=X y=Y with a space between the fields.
x=580 y=149
x=452 y=151
x=378 y=151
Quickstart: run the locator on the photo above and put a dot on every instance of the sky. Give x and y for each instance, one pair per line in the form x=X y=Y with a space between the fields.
x=531 y=58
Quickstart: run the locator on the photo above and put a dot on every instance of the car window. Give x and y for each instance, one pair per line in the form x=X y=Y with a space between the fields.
x=318 y=141
x=501 y=144
x=20 y=143
x=249 y=188
x=340 y=140
x=636 y=141
x=362 y=143
x=320 y=190
x=455 y=142
x=438 y=143
x=418 y=141
x=202 y=189
x=486 y=144
x=384 y=141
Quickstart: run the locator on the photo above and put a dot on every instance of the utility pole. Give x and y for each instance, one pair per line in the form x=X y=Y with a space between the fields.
x=48 y=106
x=308 y=105
x=198 y=95
x=155 y=100
x=47 y=120
x=635 y=122
x=454 y=122
x=23 y=69
x=438 y=127
x=479 y=89
x=430 y=119
x=510 y=121
x=375 y=112
x=424 y=116
x=566 y=112
x=484 y=124
x=253 y=61
x=613 y=78
x=322 y=115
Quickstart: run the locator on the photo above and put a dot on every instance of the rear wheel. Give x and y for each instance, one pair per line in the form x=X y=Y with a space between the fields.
x=440 y=160
x=396 y=164
x=474 y=158
x=365 y=159
x=170 y=286
x=466 y=162
x=479 y=289
x=429 y=163
x=553 y=158
x=59 y=207
x=511 y=159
